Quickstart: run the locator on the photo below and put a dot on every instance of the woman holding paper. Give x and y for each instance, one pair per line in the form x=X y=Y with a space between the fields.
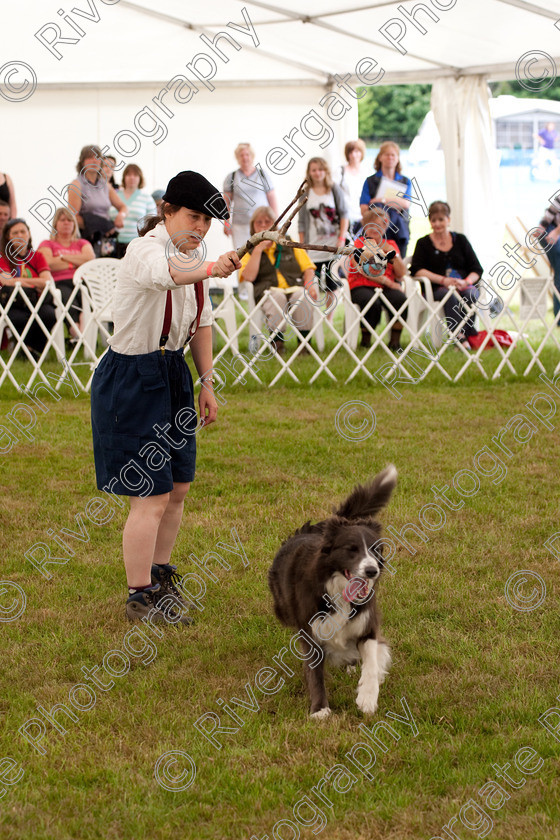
x=391 y=190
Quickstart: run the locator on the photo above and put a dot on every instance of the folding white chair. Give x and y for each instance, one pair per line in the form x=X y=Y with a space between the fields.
x=257 y=317
x=54 y=337
x=225 y=309
x=99 y=277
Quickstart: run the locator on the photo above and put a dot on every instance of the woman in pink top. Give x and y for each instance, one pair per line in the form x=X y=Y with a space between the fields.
x=64 y=252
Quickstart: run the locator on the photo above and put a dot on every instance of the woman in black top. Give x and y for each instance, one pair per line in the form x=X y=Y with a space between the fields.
x=447 y=259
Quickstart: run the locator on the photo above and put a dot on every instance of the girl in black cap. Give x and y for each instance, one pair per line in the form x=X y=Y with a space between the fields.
x=142 y=406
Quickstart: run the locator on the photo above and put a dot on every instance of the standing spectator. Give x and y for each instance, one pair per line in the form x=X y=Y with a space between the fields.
x=139 y=204
x=90 y=198
x=109 y=163
x=64 y=252
x=548 y=136
x=7 y=194
x=323 y=220
x=20 y=263
x=4 y=213
x=448 y=260
x=244 y=191
x=387 y=165
x=351 y=179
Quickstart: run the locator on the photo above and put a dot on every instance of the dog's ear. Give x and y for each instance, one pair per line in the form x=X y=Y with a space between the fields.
x=330 y=530
x=367 y=500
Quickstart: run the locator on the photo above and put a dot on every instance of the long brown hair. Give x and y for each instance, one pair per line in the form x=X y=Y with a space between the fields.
x=384 y=146
x=165 y=209
x=319 y=161
x=8 y=252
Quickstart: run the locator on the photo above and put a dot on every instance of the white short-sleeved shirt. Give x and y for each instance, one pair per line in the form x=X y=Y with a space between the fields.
x=139 y=303
x=249 y=192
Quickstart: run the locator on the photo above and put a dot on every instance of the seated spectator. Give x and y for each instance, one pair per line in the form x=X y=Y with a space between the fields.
x=20 y=263
x=364 y=279
x=90 y=198
x=279 y=269
x=7 y=194
x=157 y=195
x=448 y=260
x=548 y=232
x=351 y=179
x=64 y=252
x=388 y=169
x=139 y=204
x=4 y=213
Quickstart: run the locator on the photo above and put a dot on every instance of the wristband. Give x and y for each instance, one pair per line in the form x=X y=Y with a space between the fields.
x=209 y=268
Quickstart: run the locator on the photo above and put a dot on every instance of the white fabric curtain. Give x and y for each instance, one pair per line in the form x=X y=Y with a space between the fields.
x=462 y=114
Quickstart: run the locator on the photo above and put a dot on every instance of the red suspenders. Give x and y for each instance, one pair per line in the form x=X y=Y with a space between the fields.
x=199 y=292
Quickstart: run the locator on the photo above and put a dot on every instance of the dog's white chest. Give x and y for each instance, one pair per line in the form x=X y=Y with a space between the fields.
x=339 y=635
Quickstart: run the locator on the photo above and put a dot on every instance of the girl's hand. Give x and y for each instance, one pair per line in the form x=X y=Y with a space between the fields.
x=226 y=264
x=207 y=405
x=119 y=219
x=553 y=236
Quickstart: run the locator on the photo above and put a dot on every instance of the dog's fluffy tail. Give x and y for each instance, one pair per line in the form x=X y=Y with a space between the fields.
x=367 y=500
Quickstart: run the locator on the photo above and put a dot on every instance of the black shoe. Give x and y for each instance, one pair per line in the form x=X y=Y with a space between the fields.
x=168 y=579
x=153 y=604
x=461 y=340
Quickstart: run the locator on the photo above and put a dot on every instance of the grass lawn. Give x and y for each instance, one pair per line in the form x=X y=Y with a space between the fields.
x=473 y=670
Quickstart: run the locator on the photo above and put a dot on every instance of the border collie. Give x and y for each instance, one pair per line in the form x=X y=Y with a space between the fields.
x=322 y=581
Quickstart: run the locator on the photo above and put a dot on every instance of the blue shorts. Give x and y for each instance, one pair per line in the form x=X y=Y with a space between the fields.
x=144 y=423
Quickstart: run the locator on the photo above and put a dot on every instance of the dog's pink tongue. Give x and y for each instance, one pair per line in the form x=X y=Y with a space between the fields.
x=356 y=589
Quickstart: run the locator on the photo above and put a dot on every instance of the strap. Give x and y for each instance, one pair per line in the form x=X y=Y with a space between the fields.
x=336 y=204
x=166 y=321
x=199 y=292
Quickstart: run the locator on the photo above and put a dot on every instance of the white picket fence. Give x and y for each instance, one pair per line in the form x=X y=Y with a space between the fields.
x=428 y=347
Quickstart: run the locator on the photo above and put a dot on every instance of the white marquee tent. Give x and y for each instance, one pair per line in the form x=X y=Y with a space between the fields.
x=176 y=85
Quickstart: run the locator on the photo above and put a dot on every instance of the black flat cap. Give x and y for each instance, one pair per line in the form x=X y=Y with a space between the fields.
x=194 y=191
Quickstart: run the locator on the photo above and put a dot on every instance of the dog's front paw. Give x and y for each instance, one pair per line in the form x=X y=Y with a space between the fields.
x=351 y=669
x=367 y=702
x=321 y=714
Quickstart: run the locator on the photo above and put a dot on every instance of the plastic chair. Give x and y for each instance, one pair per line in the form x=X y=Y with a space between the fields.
x=98 y=277
x=256 y=319
x=225 y=309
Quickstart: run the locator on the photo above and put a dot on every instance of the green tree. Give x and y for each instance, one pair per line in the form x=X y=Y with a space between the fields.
x=513 y=88
x=393 y=111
